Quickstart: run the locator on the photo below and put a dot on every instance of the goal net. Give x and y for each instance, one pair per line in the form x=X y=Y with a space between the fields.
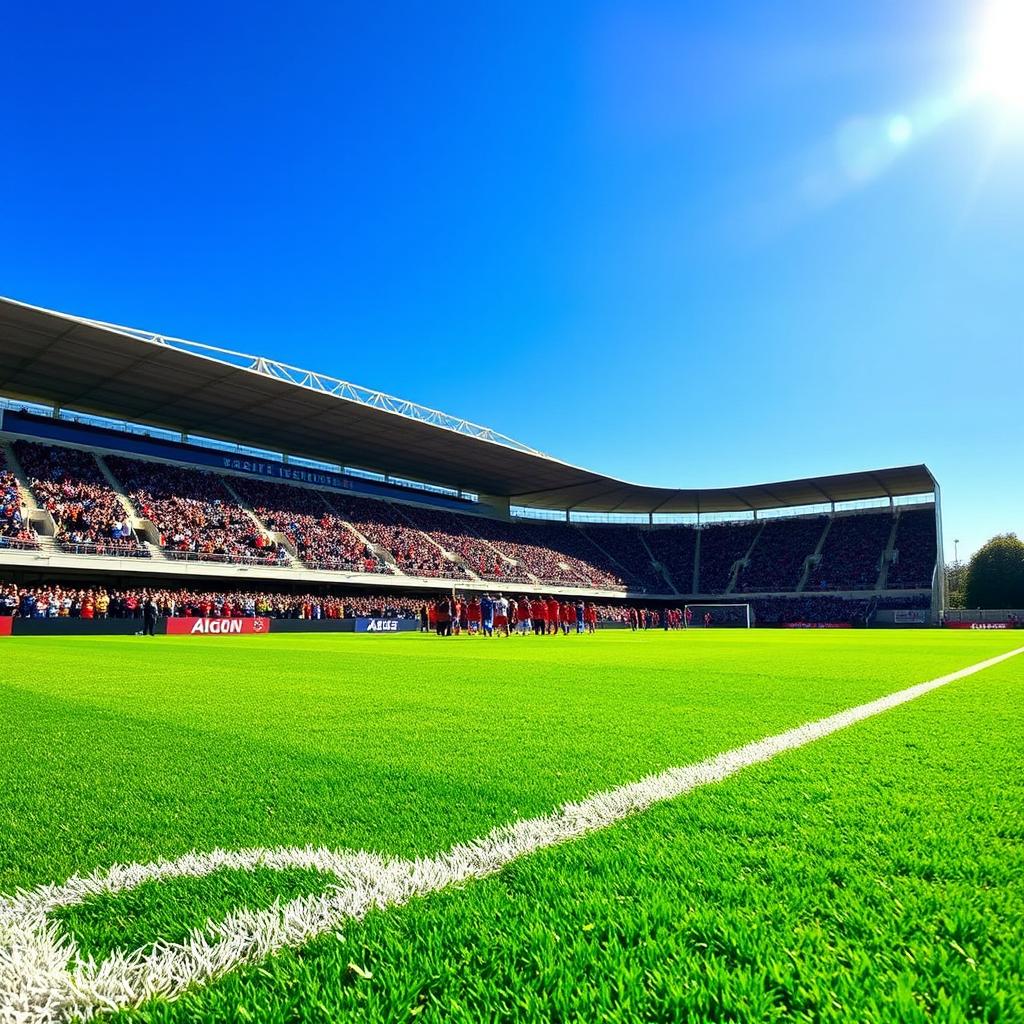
x=718 y=616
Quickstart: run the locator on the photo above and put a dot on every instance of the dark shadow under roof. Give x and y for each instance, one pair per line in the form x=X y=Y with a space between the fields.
x=62 y=360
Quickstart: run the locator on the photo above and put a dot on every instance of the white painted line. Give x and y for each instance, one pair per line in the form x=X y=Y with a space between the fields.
x=43 y=977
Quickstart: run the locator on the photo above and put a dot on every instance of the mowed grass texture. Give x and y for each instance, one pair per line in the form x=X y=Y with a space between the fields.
x=873 y=875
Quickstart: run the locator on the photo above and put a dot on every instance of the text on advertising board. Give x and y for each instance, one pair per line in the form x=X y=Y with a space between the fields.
x=217 y=627
x=376 y=625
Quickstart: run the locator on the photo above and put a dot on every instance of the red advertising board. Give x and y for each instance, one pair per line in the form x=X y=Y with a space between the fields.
x=980 y=625
x=217 y=627
x=5 y=625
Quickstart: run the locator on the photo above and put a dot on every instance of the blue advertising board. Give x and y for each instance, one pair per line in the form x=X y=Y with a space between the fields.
x=386 y=625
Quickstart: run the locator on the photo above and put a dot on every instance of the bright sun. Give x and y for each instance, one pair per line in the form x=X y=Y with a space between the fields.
x=1000 y=53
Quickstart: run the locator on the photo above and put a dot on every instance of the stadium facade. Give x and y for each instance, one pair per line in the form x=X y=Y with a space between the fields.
x=461 y=505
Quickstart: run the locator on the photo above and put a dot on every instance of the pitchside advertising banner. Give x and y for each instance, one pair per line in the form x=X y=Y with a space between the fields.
x=980 y=625
x=218 y=627
x=5 y=625
x=386 y=625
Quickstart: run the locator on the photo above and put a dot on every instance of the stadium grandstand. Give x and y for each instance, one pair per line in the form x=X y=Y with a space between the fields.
x=130 y=460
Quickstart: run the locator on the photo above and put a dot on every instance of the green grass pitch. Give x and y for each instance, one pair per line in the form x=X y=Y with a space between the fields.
x=874 y=875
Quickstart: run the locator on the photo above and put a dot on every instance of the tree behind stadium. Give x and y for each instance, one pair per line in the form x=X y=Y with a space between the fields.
x=995 y=577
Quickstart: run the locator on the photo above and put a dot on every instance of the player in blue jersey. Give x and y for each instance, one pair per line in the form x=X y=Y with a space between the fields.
x=487 y=615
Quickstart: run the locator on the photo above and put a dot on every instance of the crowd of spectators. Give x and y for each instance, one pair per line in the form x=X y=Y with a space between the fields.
x=554 y=553
x=99 y=602
x=573 y=549
x=14 y=528
x=198 y=516
x=53 y=601
x=721 y=546
x=852 y=555
x=384 y=526
x=457 y=534
x=675 y=547
x=624 y=545
x=810 y=609
x=914 y=553
x=88 y=514
x=195 y=513
x=777 y=560
x=321 y=539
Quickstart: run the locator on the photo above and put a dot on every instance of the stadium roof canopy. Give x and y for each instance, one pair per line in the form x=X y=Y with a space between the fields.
x=128 y=374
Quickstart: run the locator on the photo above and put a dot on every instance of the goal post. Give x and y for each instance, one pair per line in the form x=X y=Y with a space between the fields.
x=723 y=615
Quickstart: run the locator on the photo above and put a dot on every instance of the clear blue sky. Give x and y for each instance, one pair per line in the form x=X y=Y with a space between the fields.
x=691 y=244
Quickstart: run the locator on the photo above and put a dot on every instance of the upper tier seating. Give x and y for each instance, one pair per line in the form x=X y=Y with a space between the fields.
x=320 y=537
x=852 y=555
x=721 y=546
x=777 y=561
x=382 y=524
x=204 y=515
x=554 y=553
x=88 y=513
x=195 y=513
x=15 y=530
x=453 y=533
x=675 y=547
x=625 y=544
x=915 y=550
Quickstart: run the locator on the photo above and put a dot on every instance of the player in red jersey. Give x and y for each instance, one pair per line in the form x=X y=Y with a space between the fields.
x=524 y=611
x=540 y=615
x=473 y=616
x=554 y=614
x=567 y=613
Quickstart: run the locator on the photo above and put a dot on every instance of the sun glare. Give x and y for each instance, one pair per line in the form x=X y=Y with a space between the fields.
x=1000 y=54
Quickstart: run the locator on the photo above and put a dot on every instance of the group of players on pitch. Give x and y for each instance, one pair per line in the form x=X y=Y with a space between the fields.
x=502 y=616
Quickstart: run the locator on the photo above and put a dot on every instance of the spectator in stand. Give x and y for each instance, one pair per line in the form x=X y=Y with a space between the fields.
x=778 y=558
x=14 y=529
x=721 y=546
x=517 y=551
x=195 y=513
x=914 y=551
x=88 y=513
x=625 y=546
x=851 y=556
x=320 y=536
x=675 y=548
x=387 y=528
